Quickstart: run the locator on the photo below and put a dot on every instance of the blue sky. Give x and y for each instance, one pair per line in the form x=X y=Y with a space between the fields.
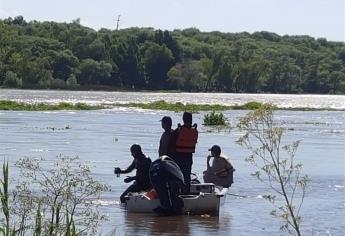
x=317 y=18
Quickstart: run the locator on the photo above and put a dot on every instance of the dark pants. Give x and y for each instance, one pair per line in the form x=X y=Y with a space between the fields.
x=185 y=162
x=135 y=187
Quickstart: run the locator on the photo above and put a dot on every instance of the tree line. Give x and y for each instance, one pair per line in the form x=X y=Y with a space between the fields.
x=51 y=55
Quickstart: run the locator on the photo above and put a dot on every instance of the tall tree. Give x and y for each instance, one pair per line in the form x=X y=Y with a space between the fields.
x=158 y=60
x=126 y=57
x=63 y=63
x=173 y=45
x=93 y=72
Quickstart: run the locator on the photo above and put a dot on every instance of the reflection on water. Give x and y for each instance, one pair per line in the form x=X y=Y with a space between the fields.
x=149 y=224
x=153 y=225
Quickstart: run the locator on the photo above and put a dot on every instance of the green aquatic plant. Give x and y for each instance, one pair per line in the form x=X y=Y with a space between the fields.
x=20 y=106
x=248 y=106
x=156 y=105
x=215 y=119
x=276 y=164
x=176 y=107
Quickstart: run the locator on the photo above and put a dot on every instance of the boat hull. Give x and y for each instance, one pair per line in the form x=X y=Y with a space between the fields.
x=206 y=199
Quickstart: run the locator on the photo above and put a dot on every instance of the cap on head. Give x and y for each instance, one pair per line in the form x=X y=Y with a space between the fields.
x=215 y=149
x=187 y=118
x=136 y=149
x=167 y=120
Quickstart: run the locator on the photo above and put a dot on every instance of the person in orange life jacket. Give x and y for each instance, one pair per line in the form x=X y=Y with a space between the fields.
x=165 y=143
x=186 y=137
x=221 y=171
x=142 y=180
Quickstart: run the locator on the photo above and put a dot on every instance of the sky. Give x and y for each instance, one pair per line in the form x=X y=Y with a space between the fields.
x=316 y=18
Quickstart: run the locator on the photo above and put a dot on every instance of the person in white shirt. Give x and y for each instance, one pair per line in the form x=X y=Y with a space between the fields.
x=221 y=171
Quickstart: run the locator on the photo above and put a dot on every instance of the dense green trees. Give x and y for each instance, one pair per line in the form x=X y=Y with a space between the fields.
x=158 y=59
x=94 y=72
x=61 y=55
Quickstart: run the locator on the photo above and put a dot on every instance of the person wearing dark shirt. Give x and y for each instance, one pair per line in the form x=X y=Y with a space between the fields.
x=142 y=164
x=165 y=143
x=186 y=137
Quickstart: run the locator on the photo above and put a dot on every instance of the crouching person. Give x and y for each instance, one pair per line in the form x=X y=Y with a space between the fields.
x=141 y=180
x=221 y=171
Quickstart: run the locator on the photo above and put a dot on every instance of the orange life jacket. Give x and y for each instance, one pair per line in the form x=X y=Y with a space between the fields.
x=186 y=140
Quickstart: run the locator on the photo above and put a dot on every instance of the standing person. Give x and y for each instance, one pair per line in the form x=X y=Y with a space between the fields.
x=186 y=139
x=221 y=171
x=165 y=143
x=142 y=179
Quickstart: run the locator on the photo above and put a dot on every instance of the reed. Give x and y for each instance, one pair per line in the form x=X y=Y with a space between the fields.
x=5 y=230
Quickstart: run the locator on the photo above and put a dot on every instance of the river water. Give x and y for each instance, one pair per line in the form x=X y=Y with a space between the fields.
x=102 y=139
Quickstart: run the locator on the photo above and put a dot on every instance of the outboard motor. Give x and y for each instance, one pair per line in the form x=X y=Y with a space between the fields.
x=167 y=179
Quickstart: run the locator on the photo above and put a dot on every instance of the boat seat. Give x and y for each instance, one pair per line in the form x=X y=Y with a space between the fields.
x=202 y=188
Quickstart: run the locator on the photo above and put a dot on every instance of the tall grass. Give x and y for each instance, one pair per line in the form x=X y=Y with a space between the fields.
x=5 y=230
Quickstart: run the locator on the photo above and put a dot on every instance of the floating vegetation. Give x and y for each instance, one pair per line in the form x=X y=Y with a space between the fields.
x=156 y=105
x=314 y=123
x=20 y=106
x=195 y=108
x=176 y=107
x=248 y=106
x=215 y=119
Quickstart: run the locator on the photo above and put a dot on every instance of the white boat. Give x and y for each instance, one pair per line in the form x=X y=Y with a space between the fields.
x=205 y=198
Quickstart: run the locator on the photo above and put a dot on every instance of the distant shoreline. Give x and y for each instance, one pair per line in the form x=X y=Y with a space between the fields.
x=114 y=89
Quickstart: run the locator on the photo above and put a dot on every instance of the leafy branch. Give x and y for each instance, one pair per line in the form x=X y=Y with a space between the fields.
x=275 y=163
